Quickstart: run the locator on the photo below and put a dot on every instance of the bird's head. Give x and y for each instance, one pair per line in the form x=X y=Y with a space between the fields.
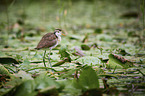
x=58 y=32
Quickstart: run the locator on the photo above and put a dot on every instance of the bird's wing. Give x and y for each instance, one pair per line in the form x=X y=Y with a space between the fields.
x=48 y=40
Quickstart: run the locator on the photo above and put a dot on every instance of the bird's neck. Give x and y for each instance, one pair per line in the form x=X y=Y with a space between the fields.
x=59 y=38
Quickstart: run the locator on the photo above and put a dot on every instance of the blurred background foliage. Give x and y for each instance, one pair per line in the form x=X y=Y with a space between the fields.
x=104 y=42
x=31 y=17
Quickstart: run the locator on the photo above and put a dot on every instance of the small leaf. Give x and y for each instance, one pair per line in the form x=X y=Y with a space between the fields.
x=85 y=40
x=26 y=62
x=98 y=30
x=3 y=70
x=8 y=60
x=63 y=52
x=75 y=37
x=85 y=47
x=60 y=62
x=122 y=52
x=116 y=61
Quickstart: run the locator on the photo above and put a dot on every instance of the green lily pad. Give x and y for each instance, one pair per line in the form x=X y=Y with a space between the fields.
x=90 y=60
x=88 y=79
x=43 y=81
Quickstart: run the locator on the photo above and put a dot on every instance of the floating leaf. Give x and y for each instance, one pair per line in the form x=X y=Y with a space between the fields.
x=88 y=79
x=69 y=73
x=3 y=70
x=85 y=47
x=60 y=62
x=116 y=61
x=75 y=37
x=24 y=75
x=43 y=81
x=104 y=37
x=98 y=31
x=51 y=90
x=25 y=64
x=89 y=60
x=122 y=52
x=27 y=88
x=9 y=86
x=8 y=60
x=63 y=52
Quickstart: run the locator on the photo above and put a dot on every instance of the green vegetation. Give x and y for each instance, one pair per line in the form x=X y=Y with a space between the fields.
x=102 y=53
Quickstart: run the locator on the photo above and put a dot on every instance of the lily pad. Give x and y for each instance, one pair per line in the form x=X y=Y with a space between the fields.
x=27 y=88
x=88 y=79
x=89 y=60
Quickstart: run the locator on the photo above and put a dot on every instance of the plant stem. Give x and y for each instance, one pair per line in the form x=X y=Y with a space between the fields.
x=140 y=72
x=114 y=68
x=44 y=59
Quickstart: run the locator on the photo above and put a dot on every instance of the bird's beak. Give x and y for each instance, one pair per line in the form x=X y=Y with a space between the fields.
x=63 y=34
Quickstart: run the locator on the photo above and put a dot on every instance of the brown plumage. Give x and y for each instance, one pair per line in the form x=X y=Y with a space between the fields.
x=47 y=41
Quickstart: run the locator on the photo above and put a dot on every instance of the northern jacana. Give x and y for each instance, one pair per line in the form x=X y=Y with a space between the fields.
x=49 y=40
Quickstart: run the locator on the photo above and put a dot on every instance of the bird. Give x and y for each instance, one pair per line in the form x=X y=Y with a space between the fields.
x=49 y=40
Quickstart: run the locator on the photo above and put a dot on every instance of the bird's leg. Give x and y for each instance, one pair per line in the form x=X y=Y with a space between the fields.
x=49 y=58
x=44 y=59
